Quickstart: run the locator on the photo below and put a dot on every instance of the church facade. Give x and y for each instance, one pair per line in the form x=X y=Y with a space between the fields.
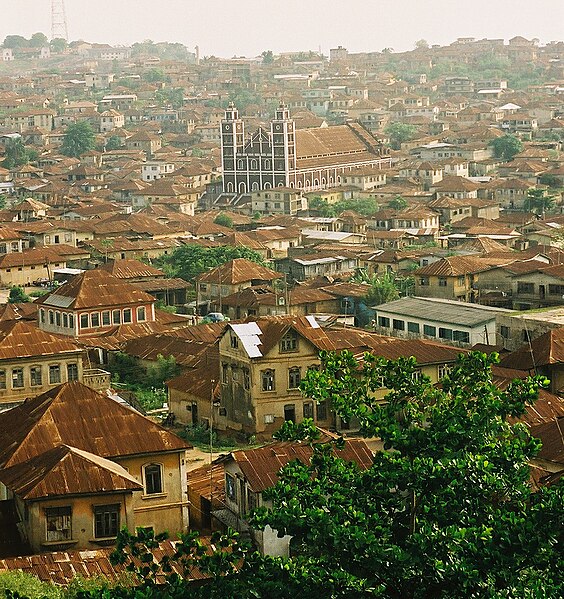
x=308 y=159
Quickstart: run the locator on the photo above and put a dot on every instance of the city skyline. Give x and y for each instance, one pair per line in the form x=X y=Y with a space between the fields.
x=243 y=29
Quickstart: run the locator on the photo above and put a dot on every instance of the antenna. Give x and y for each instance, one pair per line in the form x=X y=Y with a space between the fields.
x=59 y=20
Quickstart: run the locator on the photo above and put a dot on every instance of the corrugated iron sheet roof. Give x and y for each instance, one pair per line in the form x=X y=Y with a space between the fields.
x=542 y=351
x=96 y=289
x=131 y=269
x=66 y=470
x=261 y=466
x=75 y=415
x=238 y=270
x=62 y=567
x=20 y=339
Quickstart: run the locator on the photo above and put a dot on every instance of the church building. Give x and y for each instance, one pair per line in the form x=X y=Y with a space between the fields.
x=308 y=159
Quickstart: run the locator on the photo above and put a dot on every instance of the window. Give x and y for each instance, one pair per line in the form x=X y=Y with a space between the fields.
x=525 y=336
x=116 y=316
x=445 y=333
x=289 y=342
x=462 y=336
x=230 y=487
x=424 y=281
x=444 y=370
x=234 y=341
x=36 y=376
x=504 y=332
x=153 y=479
x=51 y=317
x=413 y=327
x=294 y=377
x=267 y=377
x=442 y=282
x=72 y=372
x=42 y=315
x=525 y=287
x=65 y=320
x=383 y=322
x=556 y=290
x=106 y=521
x=54 y=374
x=246 y=379
x=71 y=321
x=95 y=319
x=398 y=325
x=224 y=373
x=308 y=409
x=58 y=319
x=2 y=379
x=321 y=410
x=58 y=520
x=141 y=313
x=268 y=418
x=84 y=321
x=17 y=378
x=127 y=315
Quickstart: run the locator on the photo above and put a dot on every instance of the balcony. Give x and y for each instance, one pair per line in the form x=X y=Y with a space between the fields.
x=96 y=379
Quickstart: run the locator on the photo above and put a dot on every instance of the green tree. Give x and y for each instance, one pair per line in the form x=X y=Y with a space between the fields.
x=539 y=201
x=154 y=75
x=162 y=370
x=446 y=511
x=79 y=139
x=551 y=180
x=506 y=147
x=399 y=133
x=364 y=206
x=113 y=143
x=267 y=57
x=224 y=220
x=321 y=207
x=189 y=261
x=58 y=45
x=421 y=44
x=39 y=40
x=16 y=154
x=398 y=203
x=15 y=41
x=18 y=296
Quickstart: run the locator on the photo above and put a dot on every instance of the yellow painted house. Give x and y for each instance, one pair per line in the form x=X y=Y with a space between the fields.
x=76 y=467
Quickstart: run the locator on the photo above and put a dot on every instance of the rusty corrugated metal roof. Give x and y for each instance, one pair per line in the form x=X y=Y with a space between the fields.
x=20 y=339
x=66 y=470
x=75 y=415
x=261 y=466
x=130 y=269
x=96 y=289
x=238 y=270
x=62 y=567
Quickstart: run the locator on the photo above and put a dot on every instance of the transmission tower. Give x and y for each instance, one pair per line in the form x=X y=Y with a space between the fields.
x=59 y=20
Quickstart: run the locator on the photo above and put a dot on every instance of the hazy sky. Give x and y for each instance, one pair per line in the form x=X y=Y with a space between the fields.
x=247 y=27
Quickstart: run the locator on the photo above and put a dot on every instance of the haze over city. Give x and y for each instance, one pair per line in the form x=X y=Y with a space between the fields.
x=248 y=27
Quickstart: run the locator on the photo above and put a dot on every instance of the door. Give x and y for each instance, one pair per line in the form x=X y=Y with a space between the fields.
x=290 y=412
x=541 y=291
x=194 y=413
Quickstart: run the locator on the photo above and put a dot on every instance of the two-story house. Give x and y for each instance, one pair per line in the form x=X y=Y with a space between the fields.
x=76 y=467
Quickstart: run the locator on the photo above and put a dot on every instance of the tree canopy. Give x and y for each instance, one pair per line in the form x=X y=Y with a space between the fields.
x=506 y=147
x=400 y=132
x=539 y=201
x=79 y=139
x=189 y=261
x=17 y=154
x=446 y=511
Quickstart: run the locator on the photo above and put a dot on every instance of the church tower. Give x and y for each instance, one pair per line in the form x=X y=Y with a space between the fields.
x=283 y=146
x=232 y=142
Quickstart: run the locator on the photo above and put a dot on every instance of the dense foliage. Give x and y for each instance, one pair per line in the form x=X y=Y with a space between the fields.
x=363 y=206
x=79 y=139
x=506 y=147
x=189 y=261
x=446 y=511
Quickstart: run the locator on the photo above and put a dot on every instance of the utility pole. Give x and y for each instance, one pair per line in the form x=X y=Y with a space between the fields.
x=59 y=28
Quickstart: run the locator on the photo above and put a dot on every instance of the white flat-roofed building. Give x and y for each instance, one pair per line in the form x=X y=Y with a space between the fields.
x=449 y=321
